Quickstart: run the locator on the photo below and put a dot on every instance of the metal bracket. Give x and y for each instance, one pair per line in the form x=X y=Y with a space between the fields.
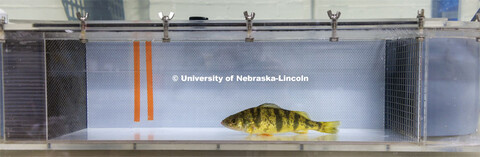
x=334 y=18
x=3 y=21
x=421 y=23
x=83 y=26
x=165 y=19
x=249 y=19
x=477 y=18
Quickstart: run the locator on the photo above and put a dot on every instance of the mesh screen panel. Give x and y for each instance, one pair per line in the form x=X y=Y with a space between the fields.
x=346 y=82
x=67 y=93
x=24 y=86
x=1 y=93
x=401 y=82
x=355 y=82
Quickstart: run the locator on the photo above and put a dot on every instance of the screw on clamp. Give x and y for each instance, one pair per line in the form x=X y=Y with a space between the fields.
x=249 y=19
x=83 y=26
x=334 y=18
x=421 y=18
x=165 y=19
x=421 y=23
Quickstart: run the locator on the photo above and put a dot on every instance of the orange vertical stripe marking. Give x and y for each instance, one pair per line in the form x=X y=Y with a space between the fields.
x=136 y=66
x=148 y=54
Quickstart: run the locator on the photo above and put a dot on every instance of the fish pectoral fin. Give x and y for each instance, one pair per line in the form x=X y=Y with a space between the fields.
x=301 y=132
x=264 y=135
x=250 y=129
x=269 y=105
x=304 y=114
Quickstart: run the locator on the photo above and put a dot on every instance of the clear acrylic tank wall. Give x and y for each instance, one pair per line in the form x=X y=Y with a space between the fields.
x=391 y=84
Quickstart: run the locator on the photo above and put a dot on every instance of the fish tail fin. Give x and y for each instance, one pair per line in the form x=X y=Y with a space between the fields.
x=329 y=127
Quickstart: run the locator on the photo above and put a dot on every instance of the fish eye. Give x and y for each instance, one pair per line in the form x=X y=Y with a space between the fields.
x=233 y=120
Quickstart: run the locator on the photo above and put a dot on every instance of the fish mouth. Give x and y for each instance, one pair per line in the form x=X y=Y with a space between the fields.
x=224 y=124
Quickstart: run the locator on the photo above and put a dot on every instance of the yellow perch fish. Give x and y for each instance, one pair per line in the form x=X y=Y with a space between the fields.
x=268 y=119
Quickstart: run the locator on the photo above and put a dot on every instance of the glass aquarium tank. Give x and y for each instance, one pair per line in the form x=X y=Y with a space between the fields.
x=393 y=84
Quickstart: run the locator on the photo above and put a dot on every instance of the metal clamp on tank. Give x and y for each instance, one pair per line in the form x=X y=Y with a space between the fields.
x=421 y=23
x=249 y=19
x=83 y=26
x=2 y=32
x=165 y=19
x=477 y=18
x=334 y=18
x=3 y=21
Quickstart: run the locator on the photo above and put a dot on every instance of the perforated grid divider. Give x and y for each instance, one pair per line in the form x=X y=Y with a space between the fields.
x=66 y=87
x=346 y=82
x=401 y=87
x=1 y=93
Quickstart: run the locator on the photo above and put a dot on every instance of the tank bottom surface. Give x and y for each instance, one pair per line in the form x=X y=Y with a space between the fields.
x=471 y=139
x=223 y=134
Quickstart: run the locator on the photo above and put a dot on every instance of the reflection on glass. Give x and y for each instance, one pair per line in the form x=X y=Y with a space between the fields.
x=99 y=10
x=299 y=137
x=446 y=9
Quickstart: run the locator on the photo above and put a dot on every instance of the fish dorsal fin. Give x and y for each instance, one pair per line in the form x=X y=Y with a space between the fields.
x=269 y=105
x=304 y=114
